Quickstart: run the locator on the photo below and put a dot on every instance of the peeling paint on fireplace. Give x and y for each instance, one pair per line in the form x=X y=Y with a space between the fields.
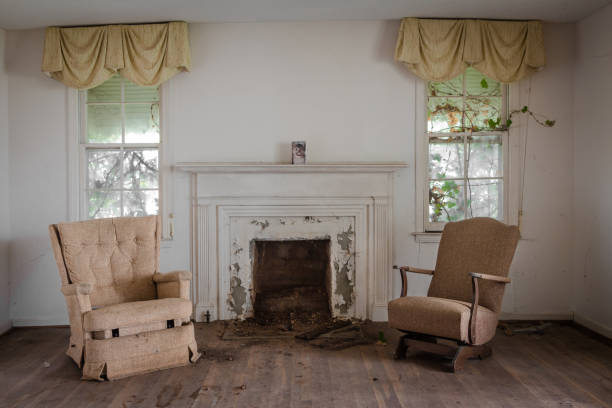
x=237 y=296
x=338 y=230
x=262 y=224
x=344 y=239
x=344 y=286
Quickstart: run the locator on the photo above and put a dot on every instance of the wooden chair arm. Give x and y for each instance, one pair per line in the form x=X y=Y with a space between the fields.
x=474 y=307
x=404 y=269
x=494 y=278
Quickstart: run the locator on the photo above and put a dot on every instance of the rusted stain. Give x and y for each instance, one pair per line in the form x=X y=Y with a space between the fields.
x=344 y=239
x=237 y=297
x=344 y=287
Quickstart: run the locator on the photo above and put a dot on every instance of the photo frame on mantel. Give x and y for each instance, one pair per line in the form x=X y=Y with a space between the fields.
x=298 y=152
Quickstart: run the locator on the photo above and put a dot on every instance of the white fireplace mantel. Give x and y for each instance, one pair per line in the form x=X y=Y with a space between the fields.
x=229 y=201
x=264 y=167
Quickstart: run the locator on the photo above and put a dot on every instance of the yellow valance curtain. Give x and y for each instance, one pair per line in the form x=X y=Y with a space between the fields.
x=147 y=54
x=439 y=50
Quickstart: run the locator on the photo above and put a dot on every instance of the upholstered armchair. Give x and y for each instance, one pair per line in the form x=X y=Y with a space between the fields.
x=465 y=293
x=125 y=317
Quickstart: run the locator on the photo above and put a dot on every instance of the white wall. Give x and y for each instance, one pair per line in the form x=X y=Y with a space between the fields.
x=254 y=88
x=5 y=228
x=593 y=163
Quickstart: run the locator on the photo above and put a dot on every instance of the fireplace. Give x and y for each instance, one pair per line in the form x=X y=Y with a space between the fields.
x=237 y=205
x=291 y=279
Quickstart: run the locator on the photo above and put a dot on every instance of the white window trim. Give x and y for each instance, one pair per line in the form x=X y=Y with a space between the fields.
x=513 y=142
x=76 y=160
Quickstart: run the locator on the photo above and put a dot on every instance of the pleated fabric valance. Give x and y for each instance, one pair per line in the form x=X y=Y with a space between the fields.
x=147 y=54
x=439 y=50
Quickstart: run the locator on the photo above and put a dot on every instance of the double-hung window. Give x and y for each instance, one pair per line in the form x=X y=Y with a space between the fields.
x=120 y=143
x=465 y=156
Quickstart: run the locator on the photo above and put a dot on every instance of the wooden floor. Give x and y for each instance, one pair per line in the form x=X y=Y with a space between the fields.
x=562 y=367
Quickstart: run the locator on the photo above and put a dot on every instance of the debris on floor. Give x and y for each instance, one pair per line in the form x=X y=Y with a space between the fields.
x=517 y=327
x=333 y=334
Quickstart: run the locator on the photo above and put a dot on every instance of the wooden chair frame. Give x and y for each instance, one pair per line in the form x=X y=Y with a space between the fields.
x=429 y=344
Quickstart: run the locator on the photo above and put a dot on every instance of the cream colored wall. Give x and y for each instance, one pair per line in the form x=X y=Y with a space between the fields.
x=254 y=88
x=592 y=280
x=5 y=228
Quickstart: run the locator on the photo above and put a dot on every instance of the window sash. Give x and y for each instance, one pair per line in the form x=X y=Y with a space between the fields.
x=431 y=226
x=85 y=147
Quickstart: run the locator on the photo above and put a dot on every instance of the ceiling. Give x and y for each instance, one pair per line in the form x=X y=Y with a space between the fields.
x=24 y=14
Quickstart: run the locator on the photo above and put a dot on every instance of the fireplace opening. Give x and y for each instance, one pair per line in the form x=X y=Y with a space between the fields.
x=291 y=279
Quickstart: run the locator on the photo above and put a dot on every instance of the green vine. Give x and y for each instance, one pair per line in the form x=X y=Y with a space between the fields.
x=497 y=125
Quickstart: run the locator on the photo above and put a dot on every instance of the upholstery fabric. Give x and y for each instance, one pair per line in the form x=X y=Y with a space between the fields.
x=439 y=50
x=123 y=356
x=118 y=256
x=441 y=317
x=147 y=54
x=481 y=245
x=107 y=268
x=136 y=313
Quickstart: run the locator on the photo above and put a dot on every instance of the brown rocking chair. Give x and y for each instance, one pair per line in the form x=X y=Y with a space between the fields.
x=465 y=293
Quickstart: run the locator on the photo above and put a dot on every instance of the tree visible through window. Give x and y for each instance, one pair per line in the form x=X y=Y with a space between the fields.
x=121 y=149
x=465 y=153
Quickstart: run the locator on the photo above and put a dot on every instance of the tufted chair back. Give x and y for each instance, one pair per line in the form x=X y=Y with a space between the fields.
x=117 y=255
x=481 y=245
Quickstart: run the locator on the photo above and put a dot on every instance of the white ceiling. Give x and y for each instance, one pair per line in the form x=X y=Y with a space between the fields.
x=22 y=14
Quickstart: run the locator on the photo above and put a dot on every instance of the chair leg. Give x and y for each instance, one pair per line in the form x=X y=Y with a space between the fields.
x=464 y=352
x=401 y=349
x=484 y=351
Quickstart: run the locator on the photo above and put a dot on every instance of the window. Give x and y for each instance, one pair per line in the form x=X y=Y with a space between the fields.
x=120 y=149
x=465 y=155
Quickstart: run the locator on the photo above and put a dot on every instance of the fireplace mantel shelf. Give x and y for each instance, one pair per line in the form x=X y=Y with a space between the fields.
x=265 y=167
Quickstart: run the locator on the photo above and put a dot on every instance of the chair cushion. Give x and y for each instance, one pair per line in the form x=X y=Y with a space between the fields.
x=441 y=317
x=136 y=313
x=117 y=255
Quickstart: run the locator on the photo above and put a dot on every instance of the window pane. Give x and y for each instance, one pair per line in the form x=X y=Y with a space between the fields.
x=103 y=204
x=446 y=157
x=485 y=156
x=103 y=169
x=142 y=123
x=104 y=123
x=446 y=201
x=138 y=203
x=485 y=198
x=140 y=169
x=137 y=93
x=109 y=91
x=477 y=84
x=454 y=87
x=444 y=114
x=478 y=111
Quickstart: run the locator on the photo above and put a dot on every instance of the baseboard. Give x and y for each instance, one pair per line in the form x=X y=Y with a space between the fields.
x=380 y=313
x=536 y=316
x=40 y=321
x=592 y=325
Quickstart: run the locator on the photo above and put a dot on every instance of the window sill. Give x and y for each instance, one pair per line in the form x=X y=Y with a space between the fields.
x=427 y=237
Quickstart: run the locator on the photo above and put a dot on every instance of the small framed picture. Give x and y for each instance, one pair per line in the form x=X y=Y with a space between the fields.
x=298 y=152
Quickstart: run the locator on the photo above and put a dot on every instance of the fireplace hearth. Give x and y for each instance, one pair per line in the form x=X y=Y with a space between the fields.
x=291 y=280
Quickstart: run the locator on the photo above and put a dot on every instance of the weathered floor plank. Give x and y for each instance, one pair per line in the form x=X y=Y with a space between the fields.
x=560 y=367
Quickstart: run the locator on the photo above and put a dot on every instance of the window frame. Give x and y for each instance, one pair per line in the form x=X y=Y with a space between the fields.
x=77 y=158
x=427 y=231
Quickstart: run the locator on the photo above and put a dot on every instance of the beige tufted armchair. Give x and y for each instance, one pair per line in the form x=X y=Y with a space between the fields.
x=125 y=317
x=465 y=293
